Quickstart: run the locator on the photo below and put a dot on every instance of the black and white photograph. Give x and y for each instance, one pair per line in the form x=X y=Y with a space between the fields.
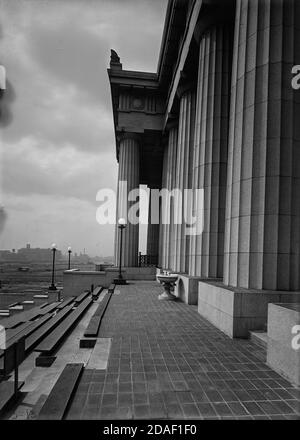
x=149 y=215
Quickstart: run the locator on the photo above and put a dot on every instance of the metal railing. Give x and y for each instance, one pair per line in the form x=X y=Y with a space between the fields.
x=147 y=260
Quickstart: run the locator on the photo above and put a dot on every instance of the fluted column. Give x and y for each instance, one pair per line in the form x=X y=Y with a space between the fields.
x=262 y=239
x=171 y=182
x=210 y=149
x=129 y=171
x=166 y=240
x=152 y=236
x=183 y=174
x=162 y=257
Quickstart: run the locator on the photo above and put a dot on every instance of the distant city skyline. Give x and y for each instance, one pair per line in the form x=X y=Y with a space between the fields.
x=64 y=252
x=58 y=148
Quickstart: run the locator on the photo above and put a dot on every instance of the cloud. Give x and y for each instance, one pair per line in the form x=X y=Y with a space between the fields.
x=58 y=144
x=34 y=166
x=62 y=220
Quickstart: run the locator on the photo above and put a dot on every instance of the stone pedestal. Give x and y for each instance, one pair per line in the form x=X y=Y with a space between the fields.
x=236 y=310
x=283 y=354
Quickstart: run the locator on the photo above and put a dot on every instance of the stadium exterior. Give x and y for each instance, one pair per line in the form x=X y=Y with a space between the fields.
x=220 y=115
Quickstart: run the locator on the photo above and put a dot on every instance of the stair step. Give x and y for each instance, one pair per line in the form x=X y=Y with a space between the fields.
x=260 y=338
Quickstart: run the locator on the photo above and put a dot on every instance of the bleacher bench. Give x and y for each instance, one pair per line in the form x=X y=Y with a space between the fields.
x=7 y=356
x=66 y=302
x=82 y=297
x=56 y=404
x=94 y=324
x=37 y=336
x=48 y=345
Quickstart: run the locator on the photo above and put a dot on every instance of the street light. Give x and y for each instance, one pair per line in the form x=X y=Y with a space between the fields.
x=53 y=247
x=69 y=252
x=121 y=226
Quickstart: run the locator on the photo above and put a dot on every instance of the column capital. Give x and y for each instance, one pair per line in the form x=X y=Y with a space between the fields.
x=186 y=86
x=127 y=135
x=172 y=122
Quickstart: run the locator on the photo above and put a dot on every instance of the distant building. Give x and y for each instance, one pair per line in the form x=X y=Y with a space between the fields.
x=37 y=254
x=81 y=258
x=29 y=254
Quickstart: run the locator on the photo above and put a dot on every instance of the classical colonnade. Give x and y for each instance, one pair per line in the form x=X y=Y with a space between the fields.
x=236 y=135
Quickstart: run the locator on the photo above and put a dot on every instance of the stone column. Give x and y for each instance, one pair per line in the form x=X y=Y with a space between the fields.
x=166 y=239
x=129 y=171
x=171 y=180
x=262 y=238
x=210 y=149
x=183 y=175
x=152 y=237
x=162 y=227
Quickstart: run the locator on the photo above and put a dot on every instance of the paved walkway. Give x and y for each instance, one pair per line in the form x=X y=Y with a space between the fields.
x=168 y=362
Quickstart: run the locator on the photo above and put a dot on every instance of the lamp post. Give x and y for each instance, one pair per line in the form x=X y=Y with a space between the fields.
x=53 y=247
x=121 y=226
x=69 y=259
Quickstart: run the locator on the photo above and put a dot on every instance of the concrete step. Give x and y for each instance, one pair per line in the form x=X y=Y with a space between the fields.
x=259 y=337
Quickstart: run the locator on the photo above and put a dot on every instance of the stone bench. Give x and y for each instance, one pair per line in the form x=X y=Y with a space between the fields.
x=81 y=297
x=48 y=346
x=56 y=404
x=19 y=336
x=66 y=302
x=42 y=332
x=94 y=324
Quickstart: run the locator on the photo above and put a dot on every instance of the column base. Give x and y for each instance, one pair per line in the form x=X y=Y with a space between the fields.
x=186 y=288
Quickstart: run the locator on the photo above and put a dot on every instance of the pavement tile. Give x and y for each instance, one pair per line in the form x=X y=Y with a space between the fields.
x=158 y=411
x=214 y=396
x=237 y=408
x=125 y=387
x=90 y=413
x=253 y=408
x=269 y=408
x=206 y=410
x=141 y=411
x=93 y=400
x=282 y=407
x=107 y=413
x=140 y=398
x=109 y=399
x=124 y=413
x=222 y=409
x=125 y=399
x=190 y=410
x=174 y=411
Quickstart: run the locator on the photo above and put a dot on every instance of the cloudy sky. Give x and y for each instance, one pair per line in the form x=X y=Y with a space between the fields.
x=57 y=138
